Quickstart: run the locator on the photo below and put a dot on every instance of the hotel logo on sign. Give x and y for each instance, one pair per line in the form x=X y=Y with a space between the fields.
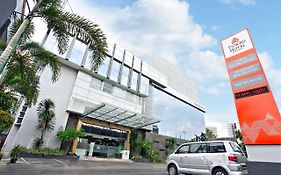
x=236 y=44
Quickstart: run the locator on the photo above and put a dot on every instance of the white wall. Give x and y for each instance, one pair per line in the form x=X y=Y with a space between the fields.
x=60 y=93
x=264 y=153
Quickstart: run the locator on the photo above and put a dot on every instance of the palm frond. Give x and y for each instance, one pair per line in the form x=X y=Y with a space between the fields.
x=88 y=33
x=65 y=24
x=22 y=78
x=46 y=115
x=50 y=12
x=27 y=34
x=43 y=58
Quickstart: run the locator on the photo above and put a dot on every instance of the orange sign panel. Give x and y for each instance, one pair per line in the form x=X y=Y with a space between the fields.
x=257 y=111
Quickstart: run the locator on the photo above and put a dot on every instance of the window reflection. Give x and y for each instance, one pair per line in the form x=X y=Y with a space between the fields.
x=134 y=81
x=77 y=52
x=144 y=87
x=178 y=119
x=104 y=67
x=115 y=70
x=88 y=63
x=125 y=75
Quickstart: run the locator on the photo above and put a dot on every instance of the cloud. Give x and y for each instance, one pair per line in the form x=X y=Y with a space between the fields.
x=146 y=26
x=273 y=75
x=243 y=2
x=204 y=66
x=220 y=121
x=217 y=88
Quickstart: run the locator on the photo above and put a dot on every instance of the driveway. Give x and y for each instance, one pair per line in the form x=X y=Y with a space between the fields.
x=28 y=166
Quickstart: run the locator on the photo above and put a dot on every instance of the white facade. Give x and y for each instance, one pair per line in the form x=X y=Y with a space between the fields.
x=123 y=81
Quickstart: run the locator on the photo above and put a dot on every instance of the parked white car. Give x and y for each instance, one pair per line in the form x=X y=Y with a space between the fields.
x=208 y=158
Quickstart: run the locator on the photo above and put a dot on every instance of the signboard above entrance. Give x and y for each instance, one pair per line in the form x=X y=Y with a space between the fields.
x=257 y=111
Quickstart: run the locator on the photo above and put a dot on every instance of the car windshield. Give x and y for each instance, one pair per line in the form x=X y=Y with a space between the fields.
x=235 y=147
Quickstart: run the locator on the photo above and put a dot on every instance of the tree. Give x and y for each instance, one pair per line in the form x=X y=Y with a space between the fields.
x=27 y=58
x=63 y=25
x=238 y=135
x=68 y=136
x=6 y=121
x=46 y=117
x=210 y=135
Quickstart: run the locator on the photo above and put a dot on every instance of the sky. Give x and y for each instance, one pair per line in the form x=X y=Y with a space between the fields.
x=187 y=33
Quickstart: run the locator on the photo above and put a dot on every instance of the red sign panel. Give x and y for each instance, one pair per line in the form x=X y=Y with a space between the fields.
x=257 y=111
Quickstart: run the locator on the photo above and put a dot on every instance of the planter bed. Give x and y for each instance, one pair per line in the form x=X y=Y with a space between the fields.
x=33 y=155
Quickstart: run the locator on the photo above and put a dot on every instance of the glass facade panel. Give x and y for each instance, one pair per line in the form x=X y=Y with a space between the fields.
x=115 y=70
x=144 y=87
x=178 y=119
x=125 y=75
x=88 y=63
x=119 y=93
x=134 y=81
x=77 y=52
x=96 y=84
x=104 y=67
x=107 y=88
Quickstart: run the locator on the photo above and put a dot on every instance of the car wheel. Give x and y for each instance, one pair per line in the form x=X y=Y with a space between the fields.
x=172 y=170
x=219 y=171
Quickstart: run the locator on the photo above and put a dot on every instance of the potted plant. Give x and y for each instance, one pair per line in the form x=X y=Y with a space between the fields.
x=14 y=155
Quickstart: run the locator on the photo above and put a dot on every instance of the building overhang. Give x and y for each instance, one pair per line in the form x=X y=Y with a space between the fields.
x=117 y=116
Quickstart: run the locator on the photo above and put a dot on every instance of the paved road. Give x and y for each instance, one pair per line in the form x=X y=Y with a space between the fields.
x=81 y=167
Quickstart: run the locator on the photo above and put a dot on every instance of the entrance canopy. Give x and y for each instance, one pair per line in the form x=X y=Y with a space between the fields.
x=119 y=116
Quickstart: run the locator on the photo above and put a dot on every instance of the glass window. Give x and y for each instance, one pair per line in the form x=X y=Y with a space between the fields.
x=134 y=81
x=77 y=52
x=95 y=83
x=176 y=116
x=107 y=87
x=235 y=147
x=88 y=63
x=125 y=75
x=198 y=148
x=115 y=70
x=104 y=67
x=183 y=150
x=144 y=87
x=216 y=147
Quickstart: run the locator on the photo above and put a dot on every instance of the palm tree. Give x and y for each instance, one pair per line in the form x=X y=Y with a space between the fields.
x=29 y=57
x=46 y=117
x=63 y=25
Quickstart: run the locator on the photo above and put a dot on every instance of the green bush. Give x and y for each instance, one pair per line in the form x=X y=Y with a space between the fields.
x=6 y=121
x=45 y=152
x=68 y=136
x=15 y=152
x=154 y=156
x=170 y=143
x=37 y=143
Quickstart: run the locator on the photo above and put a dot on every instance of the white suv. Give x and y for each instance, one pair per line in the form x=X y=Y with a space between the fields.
x=211 y=157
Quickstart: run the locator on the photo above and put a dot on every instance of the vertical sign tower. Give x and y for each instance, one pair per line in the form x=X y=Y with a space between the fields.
x=257 y=111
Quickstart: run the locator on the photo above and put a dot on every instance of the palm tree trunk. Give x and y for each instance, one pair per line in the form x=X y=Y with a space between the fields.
x=4 y=57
